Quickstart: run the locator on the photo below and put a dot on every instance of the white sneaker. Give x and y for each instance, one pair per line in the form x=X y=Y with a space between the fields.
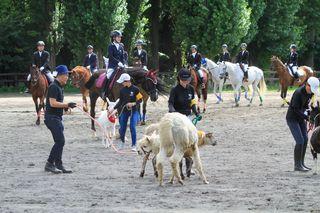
x=134 y=148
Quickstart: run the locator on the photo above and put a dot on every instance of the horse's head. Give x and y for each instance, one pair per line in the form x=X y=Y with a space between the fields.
x=276 y=63
x=77 y=74
x=222 y=69
x=315 y=114
x=150 y=84
x=35 y=74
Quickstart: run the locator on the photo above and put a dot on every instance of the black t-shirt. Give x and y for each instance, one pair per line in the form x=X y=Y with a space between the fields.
x=181 y=99
x=129 y=95
x=298 y=104
x=55 y=91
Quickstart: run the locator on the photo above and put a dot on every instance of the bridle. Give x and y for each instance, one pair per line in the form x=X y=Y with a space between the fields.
x=35 y=81
x=77 y=82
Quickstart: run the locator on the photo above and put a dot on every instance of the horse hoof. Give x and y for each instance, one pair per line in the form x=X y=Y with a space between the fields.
x=170 y=182
x=218 y=102
x=181 y=182
x=237 y=105
x=38 y=122
x=141 y=174
x=261 y=104
x=143 y=123
x=204 y=110
x=206 y=182
x=282 y=105
x=248 y=105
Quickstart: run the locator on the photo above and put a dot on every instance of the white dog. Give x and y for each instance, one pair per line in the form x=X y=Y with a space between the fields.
x=108 y=124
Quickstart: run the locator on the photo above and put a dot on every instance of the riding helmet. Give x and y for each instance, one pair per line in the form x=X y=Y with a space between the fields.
x=244 y=45
x=115 y=33
x=184 y=75
x=90 y=47
x=194 y=47
x=139 y=42
x=224 y=46
x=293 y=46
x=40 y=43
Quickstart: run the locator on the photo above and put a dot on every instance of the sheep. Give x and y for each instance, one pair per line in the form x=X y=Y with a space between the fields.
x=108 y=124
x=176 y=135
x=150 y=143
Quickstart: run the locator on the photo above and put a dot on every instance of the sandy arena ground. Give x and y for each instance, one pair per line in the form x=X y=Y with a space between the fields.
x=251 y=168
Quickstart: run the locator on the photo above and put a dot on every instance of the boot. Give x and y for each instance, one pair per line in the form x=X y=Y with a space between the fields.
x=90 y=82
x=298 y=158
x=49 y=167
x=304 y=148
x=60 y=167
x=104 y=90
x=296 y=77
x=245 y=77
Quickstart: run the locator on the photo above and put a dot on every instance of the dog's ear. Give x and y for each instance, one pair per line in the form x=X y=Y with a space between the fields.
x=148 y=138
x=117 y=101
x=108 y=101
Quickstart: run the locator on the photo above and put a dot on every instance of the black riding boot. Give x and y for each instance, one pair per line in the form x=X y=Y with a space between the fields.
x=298 y=158
x=104 y=93
x=304 y=148
x=91 y=81
x=245 y=75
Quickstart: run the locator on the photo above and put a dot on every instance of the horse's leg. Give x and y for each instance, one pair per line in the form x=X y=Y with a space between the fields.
x=220 y=90
x=285 y=95
x=35 y=100
x=154 y=162
x=199 y=99
x=93 y=100
x=205 y=96
x=144 y=111
x=144 y=163
x=215 y=92
x=85 y=103
x=254 y=89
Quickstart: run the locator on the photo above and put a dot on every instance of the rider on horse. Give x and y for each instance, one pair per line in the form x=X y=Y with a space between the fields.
x=41 y=59
x=292 y=62
x=225 y=55
x=140 y=54
x=243 y=60
x=194 y=60
x=91 y=60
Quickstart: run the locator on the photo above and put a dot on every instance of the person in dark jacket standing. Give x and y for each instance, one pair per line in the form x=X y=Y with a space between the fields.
x=225 y=55
x=194 y=60
x=292 y=62
x=128 y=106
x=182 y=97
x=243 y=60
x=53 y=120
x=296 y=119
x=41 y=59
x=91 y=60
x=140 y=54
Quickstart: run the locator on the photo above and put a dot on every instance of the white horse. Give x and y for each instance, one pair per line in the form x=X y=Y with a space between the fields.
x=255 y=77
x=217 y=78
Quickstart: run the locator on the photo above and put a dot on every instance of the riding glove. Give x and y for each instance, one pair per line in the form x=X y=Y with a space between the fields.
x=72 y=105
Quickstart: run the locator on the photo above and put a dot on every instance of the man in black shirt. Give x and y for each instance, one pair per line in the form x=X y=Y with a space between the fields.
x=296 y=119
x=182 y=98
x=53 y=120
x=130 y=98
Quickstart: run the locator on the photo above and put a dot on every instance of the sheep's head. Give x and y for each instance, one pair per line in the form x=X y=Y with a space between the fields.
x=144 y=145
x=111 y=104
x=208 y=138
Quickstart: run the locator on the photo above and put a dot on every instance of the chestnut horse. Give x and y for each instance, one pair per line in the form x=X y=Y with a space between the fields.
x=38 y=90
x=197 y=86
x=286 y=80
x=148 y=83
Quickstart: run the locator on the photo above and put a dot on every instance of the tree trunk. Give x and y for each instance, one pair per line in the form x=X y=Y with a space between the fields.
x=155 y=21
x=100 y=58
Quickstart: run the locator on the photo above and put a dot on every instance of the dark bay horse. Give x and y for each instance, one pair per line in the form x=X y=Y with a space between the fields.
x=38 y=90
x=286 y=80
x=198 y=87
x=315 y=137
x=147 y=81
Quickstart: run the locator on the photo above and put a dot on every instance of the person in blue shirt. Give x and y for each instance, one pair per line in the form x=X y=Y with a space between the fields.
x=53 y=120
x=128 y=107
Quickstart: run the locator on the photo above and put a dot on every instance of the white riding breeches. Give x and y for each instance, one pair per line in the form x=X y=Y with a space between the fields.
x=109 y=72
x=29 y=77
x=294 y=69
x=200 y=73
x=47 y=74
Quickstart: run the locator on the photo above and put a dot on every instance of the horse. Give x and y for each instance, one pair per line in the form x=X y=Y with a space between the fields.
x=38 y=90
x=315 y=137
x=216 y=77
x=147 y=81
x=197 y=86
x=286 y=80
x=255 y=77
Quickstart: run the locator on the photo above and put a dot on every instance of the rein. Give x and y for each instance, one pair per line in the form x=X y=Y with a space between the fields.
x=80 y=79
x=37 y=80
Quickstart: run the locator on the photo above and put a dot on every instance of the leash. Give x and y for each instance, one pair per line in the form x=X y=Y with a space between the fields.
x=196 y=119
x=95 y=121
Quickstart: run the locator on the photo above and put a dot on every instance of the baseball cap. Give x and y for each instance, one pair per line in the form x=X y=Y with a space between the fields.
x=184 y=75
x=62 y=70
x=124 y=77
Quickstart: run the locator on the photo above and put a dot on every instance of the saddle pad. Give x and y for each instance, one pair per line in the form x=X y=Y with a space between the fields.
x=300 y=72
x=100 y=80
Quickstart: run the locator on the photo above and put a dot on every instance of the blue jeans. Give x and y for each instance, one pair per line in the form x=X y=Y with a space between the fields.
x=298 y=130
x=55 y=125
x=123 y=120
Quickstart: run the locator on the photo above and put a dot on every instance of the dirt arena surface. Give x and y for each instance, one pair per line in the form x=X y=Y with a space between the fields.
x=251 y=168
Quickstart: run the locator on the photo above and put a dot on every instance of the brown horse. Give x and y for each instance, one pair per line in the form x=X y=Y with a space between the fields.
x=198 y=87
x=286 y=80
x=148 y=83
x=38 y=90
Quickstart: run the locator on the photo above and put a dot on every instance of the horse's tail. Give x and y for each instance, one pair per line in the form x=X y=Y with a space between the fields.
x=262 y=85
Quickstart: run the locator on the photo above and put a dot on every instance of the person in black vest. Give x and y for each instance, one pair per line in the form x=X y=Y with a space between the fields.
x=194 y=60
x=297 y=116
x=292 y=62
x=243 y=60
x=182 y=97
x=140 y=54
x=91 y=60
x=53 y=120
x=41 y=59
x=225 y=55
